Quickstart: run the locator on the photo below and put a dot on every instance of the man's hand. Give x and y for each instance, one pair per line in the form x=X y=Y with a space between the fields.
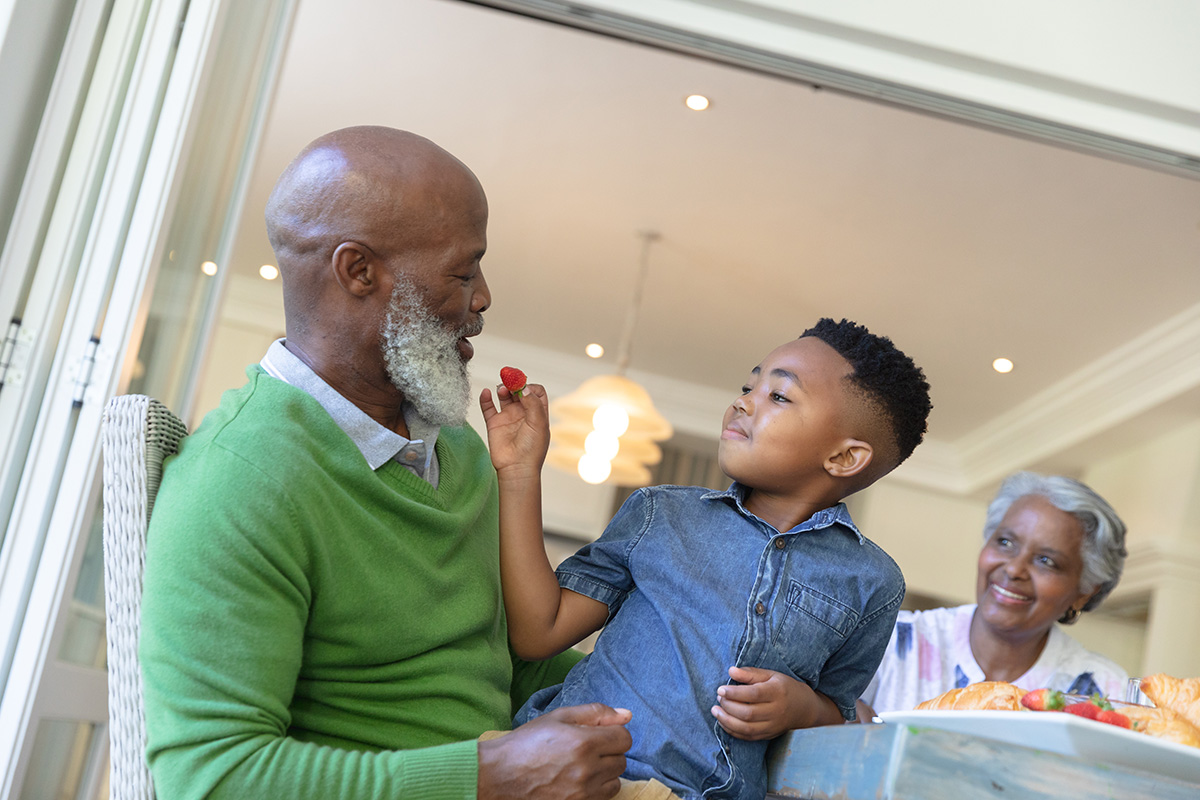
x=572 y=753
x=519 y=432
x=769 y=703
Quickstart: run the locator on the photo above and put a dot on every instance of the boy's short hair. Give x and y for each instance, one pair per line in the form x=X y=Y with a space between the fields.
x=892 y=385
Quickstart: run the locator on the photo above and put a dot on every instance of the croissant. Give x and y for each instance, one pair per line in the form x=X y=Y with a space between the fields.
x=982 y=696
x=1163 y=723
x=1181 y=695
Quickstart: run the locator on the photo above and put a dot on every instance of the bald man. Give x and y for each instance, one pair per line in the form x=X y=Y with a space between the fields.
x=322 y=608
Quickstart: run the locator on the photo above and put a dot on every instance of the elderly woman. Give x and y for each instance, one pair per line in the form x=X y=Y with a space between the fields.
x=1052 y=550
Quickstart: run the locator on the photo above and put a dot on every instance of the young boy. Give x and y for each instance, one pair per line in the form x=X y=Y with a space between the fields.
x=770 y=576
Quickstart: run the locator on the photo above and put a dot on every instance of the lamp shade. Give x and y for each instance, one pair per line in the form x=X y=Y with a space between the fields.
x=578 y=408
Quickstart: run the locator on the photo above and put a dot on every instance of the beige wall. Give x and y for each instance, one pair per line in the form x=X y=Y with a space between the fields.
x=1154 y=486
x=934 y=537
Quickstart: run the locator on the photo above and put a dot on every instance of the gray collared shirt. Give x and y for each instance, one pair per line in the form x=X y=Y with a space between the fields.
x=377 y=444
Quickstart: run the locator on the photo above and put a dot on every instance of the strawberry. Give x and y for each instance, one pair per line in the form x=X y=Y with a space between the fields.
x=1113 y=717
x=514 y=379
x=1043 y=700
x=1087 y=710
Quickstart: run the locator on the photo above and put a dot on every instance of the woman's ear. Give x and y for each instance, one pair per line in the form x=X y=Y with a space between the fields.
x=355 y=268
x=851 y=458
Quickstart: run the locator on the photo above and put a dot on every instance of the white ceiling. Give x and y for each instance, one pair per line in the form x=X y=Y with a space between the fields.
x=777 y=206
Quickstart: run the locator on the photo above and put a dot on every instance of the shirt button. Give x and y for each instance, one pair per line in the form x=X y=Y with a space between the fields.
x=760 y=609
x=780 y=543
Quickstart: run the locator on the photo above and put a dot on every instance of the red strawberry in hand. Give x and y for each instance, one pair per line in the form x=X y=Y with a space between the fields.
x=1043 y=700
x=514 y=379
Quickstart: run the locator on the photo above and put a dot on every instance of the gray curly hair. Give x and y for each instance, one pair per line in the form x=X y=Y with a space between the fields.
x=1103 y=547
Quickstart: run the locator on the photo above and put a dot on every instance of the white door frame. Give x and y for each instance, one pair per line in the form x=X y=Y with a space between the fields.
x=163 y=52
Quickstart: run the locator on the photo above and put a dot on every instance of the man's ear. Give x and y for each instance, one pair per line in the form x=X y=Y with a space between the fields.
x=355 y=268
x=850 y=459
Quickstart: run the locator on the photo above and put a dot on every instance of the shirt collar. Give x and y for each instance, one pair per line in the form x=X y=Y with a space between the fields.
x=834 y=515
x=377 y=444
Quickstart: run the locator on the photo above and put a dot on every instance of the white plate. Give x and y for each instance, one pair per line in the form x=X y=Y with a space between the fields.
x=1067 y=735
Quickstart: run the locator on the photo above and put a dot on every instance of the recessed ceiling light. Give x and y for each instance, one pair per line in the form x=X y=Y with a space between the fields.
x=1002 y=365
x=696 y=102
x=594 y=350
x=209 y=268
x=269 y=272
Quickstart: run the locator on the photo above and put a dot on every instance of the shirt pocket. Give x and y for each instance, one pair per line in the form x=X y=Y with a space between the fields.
x=813 y=627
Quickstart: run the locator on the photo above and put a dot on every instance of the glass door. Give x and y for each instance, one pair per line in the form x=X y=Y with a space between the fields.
x=185 y=94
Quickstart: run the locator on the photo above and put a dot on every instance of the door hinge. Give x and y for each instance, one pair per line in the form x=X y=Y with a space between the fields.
x=84 y=375
x=7 y=350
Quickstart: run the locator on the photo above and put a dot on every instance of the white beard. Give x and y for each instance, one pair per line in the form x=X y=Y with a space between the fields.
x=423 y=360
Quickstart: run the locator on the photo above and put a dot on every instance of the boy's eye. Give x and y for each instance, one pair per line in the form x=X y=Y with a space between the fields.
x=776 y=396
x=745 y=388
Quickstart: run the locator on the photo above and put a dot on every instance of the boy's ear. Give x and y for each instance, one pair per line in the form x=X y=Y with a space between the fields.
x=850 y=459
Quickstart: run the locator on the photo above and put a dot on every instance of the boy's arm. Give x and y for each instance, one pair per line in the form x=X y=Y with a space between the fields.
x=543 y=619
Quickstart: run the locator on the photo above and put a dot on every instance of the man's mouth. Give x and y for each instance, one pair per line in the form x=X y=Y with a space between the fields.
x=465 y=349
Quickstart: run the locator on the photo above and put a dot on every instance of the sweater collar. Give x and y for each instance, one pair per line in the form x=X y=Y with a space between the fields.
x=377 y=444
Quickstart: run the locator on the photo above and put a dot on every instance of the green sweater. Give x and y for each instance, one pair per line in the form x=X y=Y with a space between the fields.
x=312 y=628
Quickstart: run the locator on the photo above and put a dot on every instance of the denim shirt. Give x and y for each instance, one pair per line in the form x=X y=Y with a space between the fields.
x=695 y=584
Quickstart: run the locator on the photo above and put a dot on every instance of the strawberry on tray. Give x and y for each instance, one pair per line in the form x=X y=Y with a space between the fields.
x=1094 y=707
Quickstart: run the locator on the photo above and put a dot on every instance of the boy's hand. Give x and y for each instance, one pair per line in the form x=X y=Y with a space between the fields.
x=519 y=432
x=767 y=704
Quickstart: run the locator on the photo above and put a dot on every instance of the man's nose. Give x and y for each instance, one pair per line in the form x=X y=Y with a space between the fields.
x=481 y=296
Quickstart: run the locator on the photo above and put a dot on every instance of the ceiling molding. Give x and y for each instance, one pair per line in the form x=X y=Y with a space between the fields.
x=1155 y=367
x=1150 y=562
x=935 y=465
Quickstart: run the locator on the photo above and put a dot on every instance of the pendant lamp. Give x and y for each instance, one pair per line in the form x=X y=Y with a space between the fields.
x=607 y=430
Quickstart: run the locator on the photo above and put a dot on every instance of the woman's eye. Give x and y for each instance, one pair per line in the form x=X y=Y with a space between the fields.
x=1003 y=541
x=1046 y=561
